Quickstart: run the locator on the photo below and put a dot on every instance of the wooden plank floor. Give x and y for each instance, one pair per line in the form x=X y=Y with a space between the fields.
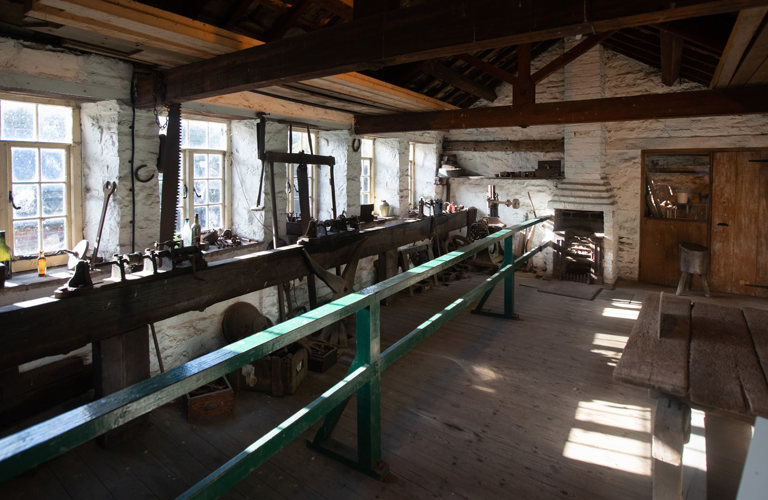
x=485 y=408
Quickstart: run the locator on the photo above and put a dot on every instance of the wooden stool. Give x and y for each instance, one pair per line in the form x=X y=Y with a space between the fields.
x=694 y=259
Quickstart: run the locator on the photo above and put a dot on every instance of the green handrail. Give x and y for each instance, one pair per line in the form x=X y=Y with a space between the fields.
x=44 y=441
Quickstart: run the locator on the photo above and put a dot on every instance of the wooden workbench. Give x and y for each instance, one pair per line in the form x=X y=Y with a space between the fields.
x=706 y=356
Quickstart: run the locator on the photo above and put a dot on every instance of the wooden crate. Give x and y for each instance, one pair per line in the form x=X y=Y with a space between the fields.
x=278 y=374
x=215 y=398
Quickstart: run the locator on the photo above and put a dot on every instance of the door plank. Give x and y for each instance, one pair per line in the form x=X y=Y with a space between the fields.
x=724 y=201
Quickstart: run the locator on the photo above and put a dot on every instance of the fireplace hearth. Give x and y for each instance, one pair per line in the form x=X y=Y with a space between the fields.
x=578 y=246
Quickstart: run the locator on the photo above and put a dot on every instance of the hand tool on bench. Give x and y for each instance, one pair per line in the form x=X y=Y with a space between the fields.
x=109 y=188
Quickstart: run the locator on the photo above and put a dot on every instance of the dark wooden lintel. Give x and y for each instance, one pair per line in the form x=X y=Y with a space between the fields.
x=732 y=101
x=528 y=146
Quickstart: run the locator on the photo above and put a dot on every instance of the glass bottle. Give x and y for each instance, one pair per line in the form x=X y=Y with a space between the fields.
x=196 y=231
x=186 y=233
x=5 y=255
x=41 y=264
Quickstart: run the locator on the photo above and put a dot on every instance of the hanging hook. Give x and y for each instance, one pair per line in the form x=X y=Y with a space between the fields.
x=10 y=198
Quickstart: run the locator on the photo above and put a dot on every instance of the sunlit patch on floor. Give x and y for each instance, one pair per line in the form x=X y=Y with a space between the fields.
x=610 y=449
x=622 y=311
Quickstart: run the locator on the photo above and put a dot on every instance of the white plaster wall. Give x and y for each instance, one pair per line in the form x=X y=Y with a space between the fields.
x=426 y=157
x=335 y=144
x=35 y=69
x=106 y=156
x=101 y=163
x=387 y=174
x=246 y=175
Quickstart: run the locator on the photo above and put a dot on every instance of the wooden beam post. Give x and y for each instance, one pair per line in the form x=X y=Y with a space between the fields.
x=671 y=56
x=572 y=54
x=525 y=91
x=671 y=423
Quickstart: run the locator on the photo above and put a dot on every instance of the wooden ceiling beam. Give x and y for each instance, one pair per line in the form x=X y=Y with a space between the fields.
x=744 y=29
x=455 y=79
x=570 y=55
x=732 y=101
x=671 y=57
x=287 y=20
x=503 y=75
x=397 y=37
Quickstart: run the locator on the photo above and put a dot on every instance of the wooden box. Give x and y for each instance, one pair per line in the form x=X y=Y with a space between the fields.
x=215 y=398
x=279 y=374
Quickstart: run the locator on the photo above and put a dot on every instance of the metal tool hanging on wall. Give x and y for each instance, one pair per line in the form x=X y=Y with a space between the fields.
x=170 y=166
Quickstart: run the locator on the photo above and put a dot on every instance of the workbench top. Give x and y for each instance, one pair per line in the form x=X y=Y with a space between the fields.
x=711 y=356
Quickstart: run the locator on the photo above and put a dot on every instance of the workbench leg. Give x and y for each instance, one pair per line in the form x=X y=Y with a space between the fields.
x=727 y=445
x=671 y=428
x=119 y=362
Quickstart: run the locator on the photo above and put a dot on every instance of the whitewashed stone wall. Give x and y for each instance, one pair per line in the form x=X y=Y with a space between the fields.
x=35 y=69
x=611 y=151
x=626 y=140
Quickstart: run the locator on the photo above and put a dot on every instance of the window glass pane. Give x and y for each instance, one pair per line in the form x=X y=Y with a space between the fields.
x=53 y=200
x=200 y=165
x=24 y=165
x=366 y=149
x=201 y=193
x=217 y=135
x=18 y=121
x=366 y=168
x=214 y=217
x=214 y=191
x=364 y=184
x=214 y=166
x=202 y=214
x=197 y=133
x=26 y=237
x=54 y=234
x=365 y=198
x=55 y=123
x=26 y=196
x=53 y=161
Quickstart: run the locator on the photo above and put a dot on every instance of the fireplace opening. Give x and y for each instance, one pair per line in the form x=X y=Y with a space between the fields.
x=578 y=246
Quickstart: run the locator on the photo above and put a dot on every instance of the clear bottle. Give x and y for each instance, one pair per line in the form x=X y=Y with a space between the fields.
x=41 y=264
x=186 y=233
x=5 y=255
x=196 y=230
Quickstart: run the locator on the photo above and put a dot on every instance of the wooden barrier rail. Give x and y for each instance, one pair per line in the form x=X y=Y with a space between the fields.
x=39 y=443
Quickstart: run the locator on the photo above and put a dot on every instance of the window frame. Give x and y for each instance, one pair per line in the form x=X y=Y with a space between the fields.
x=371 y=173
x=186 y=206
x=412 y=174
x=73 y=184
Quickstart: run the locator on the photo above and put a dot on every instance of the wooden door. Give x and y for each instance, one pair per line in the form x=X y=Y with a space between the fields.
x=739 y=223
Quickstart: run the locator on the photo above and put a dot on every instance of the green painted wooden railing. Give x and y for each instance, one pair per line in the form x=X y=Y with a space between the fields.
x=44 y=441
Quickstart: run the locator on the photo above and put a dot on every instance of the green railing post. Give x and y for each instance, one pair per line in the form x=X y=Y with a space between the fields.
x=509 y=281
x=369 y=396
